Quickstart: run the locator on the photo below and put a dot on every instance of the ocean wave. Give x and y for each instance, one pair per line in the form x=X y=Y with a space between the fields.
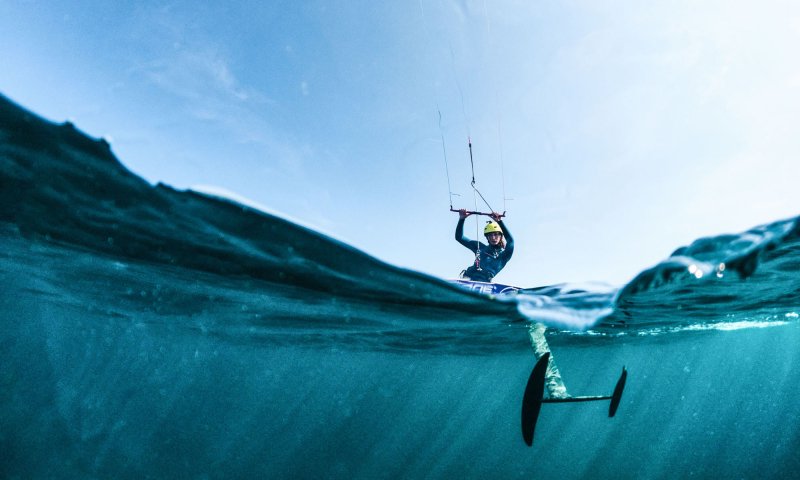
x=62 y=188
x=754 y=272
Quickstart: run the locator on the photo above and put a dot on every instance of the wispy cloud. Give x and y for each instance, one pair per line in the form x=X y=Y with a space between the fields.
x=189 y=64
x=196 y=69
x=197 y=73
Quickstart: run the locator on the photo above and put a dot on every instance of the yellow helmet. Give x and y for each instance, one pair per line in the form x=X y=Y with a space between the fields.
x=492 y=227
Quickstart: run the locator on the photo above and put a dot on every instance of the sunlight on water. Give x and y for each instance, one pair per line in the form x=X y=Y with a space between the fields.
x=736 y=325
x=725 y=326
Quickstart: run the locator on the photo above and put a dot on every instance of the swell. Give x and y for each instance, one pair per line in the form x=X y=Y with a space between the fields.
x=59 y=185
x=749 y=276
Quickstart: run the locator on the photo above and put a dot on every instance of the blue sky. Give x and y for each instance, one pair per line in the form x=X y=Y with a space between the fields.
x=623 y=129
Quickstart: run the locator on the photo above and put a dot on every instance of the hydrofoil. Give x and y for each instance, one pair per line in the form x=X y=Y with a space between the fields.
x=545 y=374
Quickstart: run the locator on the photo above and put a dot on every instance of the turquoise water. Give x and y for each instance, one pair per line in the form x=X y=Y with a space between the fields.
x=149 y=332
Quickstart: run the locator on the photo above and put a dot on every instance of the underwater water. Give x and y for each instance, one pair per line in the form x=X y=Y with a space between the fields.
x=154 y=333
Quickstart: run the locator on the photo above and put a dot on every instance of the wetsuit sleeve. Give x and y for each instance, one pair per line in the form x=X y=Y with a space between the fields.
x=509 y=250
x=460 y=238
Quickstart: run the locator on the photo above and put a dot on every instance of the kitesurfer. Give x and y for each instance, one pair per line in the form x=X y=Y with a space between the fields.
x=491 y=258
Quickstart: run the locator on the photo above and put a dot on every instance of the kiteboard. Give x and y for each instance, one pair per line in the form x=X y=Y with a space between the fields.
x=544 y=383
x=486 y=288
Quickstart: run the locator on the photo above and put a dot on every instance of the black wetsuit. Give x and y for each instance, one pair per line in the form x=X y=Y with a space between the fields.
x=490 y=260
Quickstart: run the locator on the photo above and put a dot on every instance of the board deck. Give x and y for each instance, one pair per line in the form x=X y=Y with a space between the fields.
x=486 y=288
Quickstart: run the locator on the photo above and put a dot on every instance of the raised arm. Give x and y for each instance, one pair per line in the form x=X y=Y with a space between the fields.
x=509 y=250
x=460 y=238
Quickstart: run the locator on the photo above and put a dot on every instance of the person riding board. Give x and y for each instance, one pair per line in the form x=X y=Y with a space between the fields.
x=491 y=258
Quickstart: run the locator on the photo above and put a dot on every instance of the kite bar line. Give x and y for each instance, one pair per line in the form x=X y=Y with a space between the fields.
x=474 y=188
